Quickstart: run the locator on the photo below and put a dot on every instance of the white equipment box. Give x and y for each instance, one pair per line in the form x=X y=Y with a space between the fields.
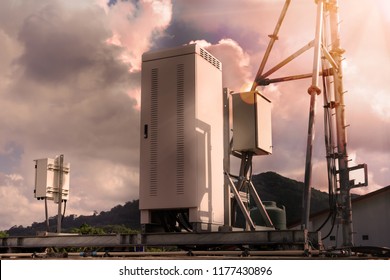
x=252 y=123
x=181 y=161
x=47 y=179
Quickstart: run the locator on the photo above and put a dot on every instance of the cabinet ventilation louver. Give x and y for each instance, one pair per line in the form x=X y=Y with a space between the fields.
x=210 y=59
x=180 y=129
x=154 y=134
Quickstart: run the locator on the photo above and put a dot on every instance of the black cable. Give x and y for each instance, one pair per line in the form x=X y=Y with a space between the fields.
x=186 y=220
x=326 y=220
x=330 y=160
x=173 y=220
x=234 y=176
x=163 y=220
x=182 y=222
x=332 y=227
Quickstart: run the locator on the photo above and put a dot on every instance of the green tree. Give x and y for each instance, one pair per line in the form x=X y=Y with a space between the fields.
x=3 y=234
x=87 y=229
x=121 y=229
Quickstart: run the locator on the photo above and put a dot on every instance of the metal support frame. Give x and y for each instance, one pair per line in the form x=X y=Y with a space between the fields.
x=360 y=184
x=244 y=186
x=289 y=59
x=259 y=204
x=240 y=203
x=266 y=81
x=337 y=107
x=253 y=240
x=273 y=37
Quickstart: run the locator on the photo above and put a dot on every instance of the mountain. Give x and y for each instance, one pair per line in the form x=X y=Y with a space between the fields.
x=127 y=216
x=269 y=185
x=287 y=192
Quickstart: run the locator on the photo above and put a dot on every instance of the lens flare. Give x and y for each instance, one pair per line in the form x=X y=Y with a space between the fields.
x=248 y=97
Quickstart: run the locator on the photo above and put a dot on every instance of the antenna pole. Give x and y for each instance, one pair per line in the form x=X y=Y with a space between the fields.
x=60 y=179
x=342 y=155
x=46 y=216
x=313 y=90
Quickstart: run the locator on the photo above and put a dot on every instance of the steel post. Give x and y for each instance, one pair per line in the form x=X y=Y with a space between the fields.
x=345 y=195
x=60 y=179
x=313 y=91
x=46 y=216
x=226 y=156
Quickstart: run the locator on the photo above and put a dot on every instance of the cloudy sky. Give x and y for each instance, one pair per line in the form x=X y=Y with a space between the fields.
x=70 y=84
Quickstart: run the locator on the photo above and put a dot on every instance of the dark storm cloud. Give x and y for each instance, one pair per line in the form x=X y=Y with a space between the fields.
x=60 y=44
x=78 y=84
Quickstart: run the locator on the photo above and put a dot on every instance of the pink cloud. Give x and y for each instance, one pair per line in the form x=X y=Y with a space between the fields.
x=134 y=26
